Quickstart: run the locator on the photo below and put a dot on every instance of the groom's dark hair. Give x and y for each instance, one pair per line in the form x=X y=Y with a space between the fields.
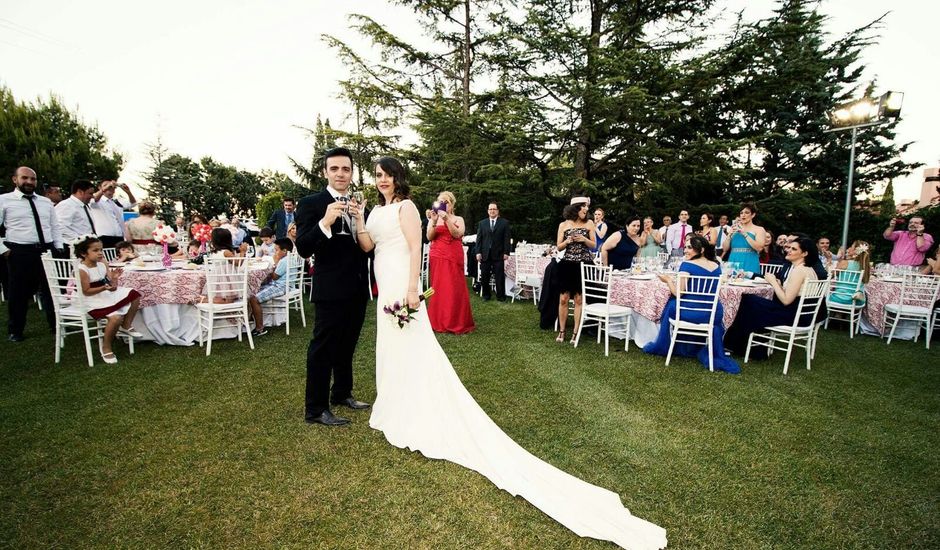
x=337 y=152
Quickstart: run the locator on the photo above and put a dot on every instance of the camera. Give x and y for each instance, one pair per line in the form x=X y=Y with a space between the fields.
x=439 y=206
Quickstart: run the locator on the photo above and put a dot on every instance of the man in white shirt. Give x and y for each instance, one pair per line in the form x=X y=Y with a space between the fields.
x=667 y=221
x=677 y=233
x=723 y=231
x=31 y=229
x=74 y=213
x=108 y=213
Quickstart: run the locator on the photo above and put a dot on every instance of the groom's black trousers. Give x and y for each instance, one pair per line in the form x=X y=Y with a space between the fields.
x=335 y=334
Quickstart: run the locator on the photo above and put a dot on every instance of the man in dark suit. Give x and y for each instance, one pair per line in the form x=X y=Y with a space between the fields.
x=492 y=250
x=325 y=230
x=280 y=220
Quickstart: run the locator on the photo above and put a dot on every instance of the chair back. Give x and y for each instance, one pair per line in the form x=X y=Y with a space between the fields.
x=844 y=283
x=226 y=278
x=294 y=276
x=696 y=295
x=110 y=254
x=425 y=262
x=920 y=290
x=770 y=268
x=811 y=298
x=595 y=283
x=63 y=284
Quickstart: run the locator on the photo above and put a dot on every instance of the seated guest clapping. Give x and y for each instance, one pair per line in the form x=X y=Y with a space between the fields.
x=699 y=261
x=620 y=248
x=756 y=313
x=275 y=286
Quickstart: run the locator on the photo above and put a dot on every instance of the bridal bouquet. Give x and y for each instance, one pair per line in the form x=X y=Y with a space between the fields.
x=401 y=313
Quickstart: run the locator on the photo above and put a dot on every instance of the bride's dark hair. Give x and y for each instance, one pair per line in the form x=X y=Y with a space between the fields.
x=394 y=168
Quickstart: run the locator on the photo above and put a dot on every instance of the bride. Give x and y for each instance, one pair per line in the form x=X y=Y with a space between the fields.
x=423 y=406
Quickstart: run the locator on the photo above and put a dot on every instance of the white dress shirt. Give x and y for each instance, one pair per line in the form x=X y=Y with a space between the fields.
x=17 y=216
x=108 y=216
x=72 y=218
x=674 y=236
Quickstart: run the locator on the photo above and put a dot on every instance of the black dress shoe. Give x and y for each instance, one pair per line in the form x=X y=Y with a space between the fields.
x=352 y=404
x=327 y=419
x=16 y=338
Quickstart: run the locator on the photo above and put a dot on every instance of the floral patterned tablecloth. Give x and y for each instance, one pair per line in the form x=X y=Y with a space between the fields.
x=178 y=286
x=878 y=294
x=649 y=297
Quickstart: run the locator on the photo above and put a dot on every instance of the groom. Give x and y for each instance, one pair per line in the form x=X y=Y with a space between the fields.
x=339 y=291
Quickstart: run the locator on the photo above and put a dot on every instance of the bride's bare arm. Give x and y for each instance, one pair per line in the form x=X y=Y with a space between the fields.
x=411 y=227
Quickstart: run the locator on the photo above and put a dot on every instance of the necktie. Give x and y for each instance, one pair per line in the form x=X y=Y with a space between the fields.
x=492 y=225
x=721 y=235
x=88 y=215
x=289 y=218
x=682 y=237
x=32 y=205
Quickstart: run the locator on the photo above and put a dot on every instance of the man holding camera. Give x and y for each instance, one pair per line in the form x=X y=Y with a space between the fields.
x=911 y=245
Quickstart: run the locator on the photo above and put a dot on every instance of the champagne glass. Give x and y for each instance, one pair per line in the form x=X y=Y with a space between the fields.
x=342 y=225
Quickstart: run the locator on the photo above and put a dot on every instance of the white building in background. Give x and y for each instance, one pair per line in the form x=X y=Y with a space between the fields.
x=930 y=188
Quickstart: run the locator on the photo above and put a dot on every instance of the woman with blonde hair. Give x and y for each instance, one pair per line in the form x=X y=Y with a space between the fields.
x=449 y=311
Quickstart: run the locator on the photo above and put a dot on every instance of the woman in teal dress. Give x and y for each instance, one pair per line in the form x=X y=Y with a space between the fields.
x=699 y=261
x=746 y=240
x=857 y=258
x=650 y=240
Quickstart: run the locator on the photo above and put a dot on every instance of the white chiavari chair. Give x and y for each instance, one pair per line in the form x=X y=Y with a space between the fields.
x=770 y=268
x=802 y=333
x=918 y=295
x=696 y=297
x=293 y=291
x=845 y=284
x=71 y=313
x=110 y=254
x=597 y=309
x=226 y=299
x=425 y=265
x=527 y=277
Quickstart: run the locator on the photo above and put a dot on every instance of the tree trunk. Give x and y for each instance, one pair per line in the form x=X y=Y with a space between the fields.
x=585 y=145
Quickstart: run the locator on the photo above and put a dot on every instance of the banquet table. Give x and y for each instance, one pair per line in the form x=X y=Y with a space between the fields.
x=167 y=312
x=648 y=297
x=880 y=292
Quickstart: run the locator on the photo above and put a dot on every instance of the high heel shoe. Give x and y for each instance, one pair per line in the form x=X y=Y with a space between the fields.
x=560 y=338
x=109 y=358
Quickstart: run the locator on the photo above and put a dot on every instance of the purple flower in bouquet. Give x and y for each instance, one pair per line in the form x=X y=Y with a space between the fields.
x=400 y=313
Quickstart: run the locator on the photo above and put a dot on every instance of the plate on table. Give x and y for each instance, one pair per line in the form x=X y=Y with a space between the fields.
x=742 y=282
x=642 y=277
x=151 y=267
x=760 y=281
x=892 y=279
x=117 y=264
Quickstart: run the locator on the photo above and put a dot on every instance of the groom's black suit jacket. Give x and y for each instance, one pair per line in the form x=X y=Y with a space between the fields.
x=340 y=268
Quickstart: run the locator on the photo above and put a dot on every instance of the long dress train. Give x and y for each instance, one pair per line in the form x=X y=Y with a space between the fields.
x=423 y=406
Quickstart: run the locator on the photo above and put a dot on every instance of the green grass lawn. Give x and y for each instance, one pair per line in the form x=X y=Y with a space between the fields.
x=169 y=448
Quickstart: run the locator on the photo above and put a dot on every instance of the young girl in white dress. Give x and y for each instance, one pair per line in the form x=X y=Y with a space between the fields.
x=104 y=297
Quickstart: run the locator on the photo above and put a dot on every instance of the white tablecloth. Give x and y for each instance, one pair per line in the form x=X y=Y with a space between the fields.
x=178 y=324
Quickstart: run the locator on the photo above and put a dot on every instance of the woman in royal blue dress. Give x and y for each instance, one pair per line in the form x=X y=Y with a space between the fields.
x=699 y=261
x=747 y=240
x=756 y=313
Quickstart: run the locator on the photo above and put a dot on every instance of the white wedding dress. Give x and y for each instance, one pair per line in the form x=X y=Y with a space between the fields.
x=423 y=406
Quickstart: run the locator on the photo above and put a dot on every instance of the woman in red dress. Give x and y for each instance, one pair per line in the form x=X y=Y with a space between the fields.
x=449 y=308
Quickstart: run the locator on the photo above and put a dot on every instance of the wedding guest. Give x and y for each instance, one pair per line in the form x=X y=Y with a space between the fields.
x=723 y=230
x=933 y=264
x=180 y=226
x=766 y=253
x=746 y=240
x=235 y=227
x=857 y=258
x=74 y=213
x=292 y=232
x=600 y=229
x=620 y=249
x=221 y=247
x=449 y=311
x=493 y=234
x=140 y=229
x=707 y=221
x=104 y=297
x=31 y=229
x=826 y=257
x=667 y=221
x=700 y=261
x=282 y=219
x=125 y=251
x=266 y=248
x=53 y=193
x=194 y=249
x=576 y=238
x=677 y=233
x=650 y=240
x=909 y=246
x=108 y=213
x=274 y=286
x=821 y=272
x=756 y=313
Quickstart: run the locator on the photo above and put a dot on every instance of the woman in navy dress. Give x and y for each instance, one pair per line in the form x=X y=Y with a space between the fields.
x=620 y=249
x=699 y=261
x=756 y=313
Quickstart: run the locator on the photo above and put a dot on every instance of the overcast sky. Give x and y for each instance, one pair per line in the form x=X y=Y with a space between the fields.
x=231 y=79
